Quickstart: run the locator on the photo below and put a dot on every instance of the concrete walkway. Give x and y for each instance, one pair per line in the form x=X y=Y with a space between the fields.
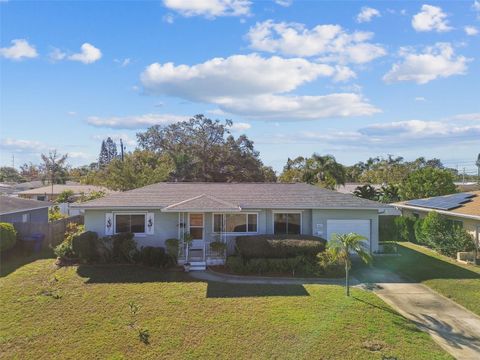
x=454 y=328
x=265 y=280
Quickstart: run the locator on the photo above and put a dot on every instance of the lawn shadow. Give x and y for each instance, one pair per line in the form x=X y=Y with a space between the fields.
x=125 y=273
x=383 y=308
x=226 y=290
x=17 y=257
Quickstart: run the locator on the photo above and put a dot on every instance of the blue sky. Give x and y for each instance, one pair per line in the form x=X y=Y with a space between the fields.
x=353 y=79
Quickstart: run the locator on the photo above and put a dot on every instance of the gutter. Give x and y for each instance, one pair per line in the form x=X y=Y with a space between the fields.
x=444 y=212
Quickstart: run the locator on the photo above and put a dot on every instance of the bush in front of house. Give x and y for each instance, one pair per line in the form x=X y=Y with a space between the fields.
x=65 y=250
x=387 y=230
x=85 y=245
x=172 y=247
x=278 y=247
x=155 y=256
x=124 y=248
x=8 y=236
x=438 y=233
x=404 y=228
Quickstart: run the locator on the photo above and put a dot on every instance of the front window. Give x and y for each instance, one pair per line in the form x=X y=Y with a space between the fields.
x=287 y=223
x=235 y=223
x=133 y=223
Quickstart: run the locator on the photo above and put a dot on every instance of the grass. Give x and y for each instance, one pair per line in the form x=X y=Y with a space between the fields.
x=456 y=281
x=83 y=312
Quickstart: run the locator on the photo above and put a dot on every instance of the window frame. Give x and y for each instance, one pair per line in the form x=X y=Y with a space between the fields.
x=144 y=233
x=286 y=212
x=223 y=215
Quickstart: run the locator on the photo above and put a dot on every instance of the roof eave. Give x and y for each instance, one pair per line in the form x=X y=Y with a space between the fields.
x=450 y=213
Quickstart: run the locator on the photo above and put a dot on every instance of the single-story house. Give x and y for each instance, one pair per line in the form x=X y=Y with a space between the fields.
x=17 y=210
x=221 y=211
x=49 y=193
x=463 y=208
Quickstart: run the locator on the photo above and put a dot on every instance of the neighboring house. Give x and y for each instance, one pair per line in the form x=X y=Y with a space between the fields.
x=16 y=210
x=463 y=208
x=49 y=193
x=221 y=211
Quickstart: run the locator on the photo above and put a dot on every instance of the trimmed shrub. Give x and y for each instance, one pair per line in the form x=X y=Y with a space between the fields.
x=124 y=248
x=218 y=246
x=85 y=245
x=155 y=256
x=275 y=247
x=404 y=228
x=172 y=247
x=64 y=250
x=8 y=236
x=235 y=264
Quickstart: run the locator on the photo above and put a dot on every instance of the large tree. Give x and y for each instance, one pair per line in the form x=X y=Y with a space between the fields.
x=323 y=170
x=427 y=182
x=55 y=167
x=108 y=152
x=202 y=149
x=10 y=174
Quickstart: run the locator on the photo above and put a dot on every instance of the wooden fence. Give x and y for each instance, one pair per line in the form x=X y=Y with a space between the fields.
x=54 y=231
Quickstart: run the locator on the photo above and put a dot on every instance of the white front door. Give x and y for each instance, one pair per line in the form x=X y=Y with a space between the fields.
x=196 y=229
x=361 y=227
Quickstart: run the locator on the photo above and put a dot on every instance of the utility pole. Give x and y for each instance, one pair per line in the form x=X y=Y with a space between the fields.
x=463 y=180
x=478 y=167
x=13 y=161
x=121 y=148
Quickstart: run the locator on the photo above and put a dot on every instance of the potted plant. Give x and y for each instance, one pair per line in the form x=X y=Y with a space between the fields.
x=187 y=266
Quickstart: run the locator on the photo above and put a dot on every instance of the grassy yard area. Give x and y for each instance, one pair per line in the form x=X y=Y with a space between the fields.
x=459 y=282
x=83 y=312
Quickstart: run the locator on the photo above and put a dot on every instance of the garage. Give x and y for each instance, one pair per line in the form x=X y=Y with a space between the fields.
x=361 y=227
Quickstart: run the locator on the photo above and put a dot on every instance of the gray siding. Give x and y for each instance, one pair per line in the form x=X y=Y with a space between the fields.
x=35 y=216
x=166 y=223
x=321 y=217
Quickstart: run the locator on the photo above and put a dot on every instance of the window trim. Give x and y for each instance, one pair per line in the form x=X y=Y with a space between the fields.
x=235 y=233
x=286 y=212
x=130 y=213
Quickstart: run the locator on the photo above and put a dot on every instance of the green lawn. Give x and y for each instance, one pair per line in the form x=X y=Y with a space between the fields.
x=83 y=312
x=459 y=282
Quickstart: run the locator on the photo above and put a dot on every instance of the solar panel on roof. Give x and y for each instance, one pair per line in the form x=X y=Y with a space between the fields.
x=446 y=202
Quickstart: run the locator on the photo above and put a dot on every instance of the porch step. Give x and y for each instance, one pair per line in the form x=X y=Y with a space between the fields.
x=198 y=265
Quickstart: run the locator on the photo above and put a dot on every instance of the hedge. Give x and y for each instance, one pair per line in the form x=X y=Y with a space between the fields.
x=278 y=247
x=8 y=236
x=84 y=245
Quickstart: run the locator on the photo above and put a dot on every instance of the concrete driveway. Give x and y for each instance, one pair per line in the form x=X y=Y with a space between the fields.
x=453 y=327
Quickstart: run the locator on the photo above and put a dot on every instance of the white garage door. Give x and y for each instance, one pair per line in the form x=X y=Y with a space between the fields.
x=361 y=227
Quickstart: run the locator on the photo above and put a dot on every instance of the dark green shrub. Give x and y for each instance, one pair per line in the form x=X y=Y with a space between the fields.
x=274 y=246
x=85 y=245
x=235 y=264
x=172 y=246
x=124 y=247
x=404 y=228
x=386 y=228
x=8 y=236
x=155 y=256
x=329 y=264
x=64 y=250
x=218 y=247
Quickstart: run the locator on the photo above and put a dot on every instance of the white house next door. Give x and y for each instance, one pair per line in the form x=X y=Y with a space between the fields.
x=196 y=230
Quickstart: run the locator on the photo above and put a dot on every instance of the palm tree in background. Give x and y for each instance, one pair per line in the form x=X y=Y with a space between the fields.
x=324 y=170
x=341 y=247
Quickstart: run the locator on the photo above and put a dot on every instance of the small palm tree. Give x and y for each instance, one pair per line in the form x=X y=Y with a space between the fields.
x=342 y=245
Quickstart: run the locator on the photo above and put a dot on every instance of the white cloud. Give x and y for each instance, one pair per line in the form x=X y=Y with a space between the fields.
x=438 y=61
x=292 y=108
x=331 y=42
x=19 y=50
x=235 y=76
x=57 y=55
x=72 y=113
x=134 y=121
x=209 y=8
x=168 y=18
x=124 y=62
x=240 y=126
x=284 y=3
x=476 y=5
x=88 y=54
x=431 y=18
x=367 y=14
x=471 y=30
x=21 y=146
x=420 y=99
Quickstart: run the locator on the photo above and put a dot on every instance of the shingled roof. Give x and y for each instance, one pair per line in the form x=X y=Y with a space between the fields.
x=168 y=195
x=10 y=204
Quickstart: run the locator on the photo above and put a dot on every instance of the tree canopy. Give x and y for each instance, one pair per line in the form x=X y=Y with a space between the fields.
x=202 y=149
x=427 y=182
